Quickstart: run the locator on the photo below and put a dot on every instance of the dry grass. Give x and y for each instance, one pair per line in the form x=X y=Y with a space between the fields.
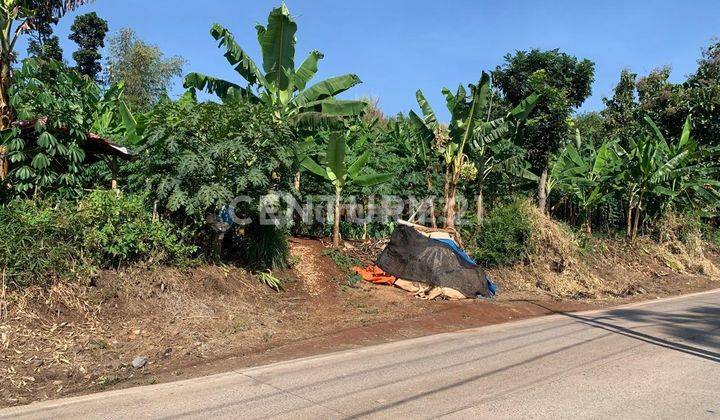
x=603 y=268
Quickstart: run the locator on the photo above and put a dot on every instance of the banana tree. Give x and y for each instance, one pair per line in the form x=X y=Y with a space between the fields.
x=340 y=175
x=467 y=123
x=655 y=168
x=489 y=138
x=587 y=174
x=279 y=85
x=16 y=18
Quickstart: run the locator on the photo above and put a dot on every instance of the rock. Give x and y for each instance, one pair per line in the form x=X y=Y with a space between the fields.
x=166 y=353
x=38 y=362
x=139 y=362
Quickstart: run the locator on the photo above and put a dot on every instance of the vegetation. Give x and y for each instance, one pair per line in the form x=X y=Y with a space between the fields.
x=506 y=236
x=88 y=32
x=204 y=173
x=143 y=69
x=44 y=241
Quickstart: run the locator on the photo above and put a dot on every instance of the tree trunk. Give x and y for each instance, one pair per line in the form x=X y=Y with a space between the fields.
x=542 y=191
x=480 y=206
x=296 y=181
x=6 y=112
x=636 y=223
x=449 y=210
x=336 y=222
x=588 y=223
x=629 y=218
x=433 y=222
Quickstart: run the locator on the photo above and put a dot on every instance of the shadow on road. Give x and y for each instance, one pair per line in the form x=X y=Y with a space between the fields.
x=694 y=326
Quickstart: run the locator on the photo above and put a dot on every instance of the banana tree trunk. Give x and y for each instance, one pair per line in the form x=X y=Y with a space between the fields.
x=433 y=221
x=449 y=210
x=336 y=221
x=542 y=191
x=636 y=222
x=480 y=206
x=629 y=217
x=6 y=112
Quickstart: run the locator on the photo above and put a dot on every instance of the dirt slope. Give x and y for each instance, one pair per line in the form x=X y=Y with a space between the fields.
x=73 y=339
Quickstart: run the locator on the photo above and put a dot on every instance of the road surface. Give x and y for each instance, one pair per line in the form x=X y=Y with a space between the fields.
x=655 y=360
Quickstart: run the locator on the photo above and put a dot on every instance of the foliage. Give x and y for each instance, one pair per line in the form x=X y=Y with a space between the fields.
x=88 y=32
x=506 y=236
x=586 y=173
x=52 y=160
x=196 y=158
x=263 y=246
x=563 y=83
x=123 y=231
x=339 y=173
x=44 y=45
x=143 y=69
x=468 y=126
x=45 y=241
x=16 y=18
x=279 y=85
x=621 y=111
x=270 y=281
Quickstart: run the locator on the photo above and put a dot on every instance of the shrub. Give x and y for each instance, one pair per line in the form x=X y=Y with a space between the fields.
x=42 y=242
x=39 y=243
x=121 y=229
x=263 y=247
x=506 y=236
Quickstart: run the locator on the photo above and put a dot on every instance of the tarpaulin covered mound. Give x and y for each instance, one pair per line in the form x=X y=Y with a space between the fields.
x=412 y=256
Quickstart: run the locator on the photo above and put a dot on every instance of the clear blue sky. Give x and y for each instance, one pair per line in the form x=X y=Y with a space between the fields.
x=397 y=47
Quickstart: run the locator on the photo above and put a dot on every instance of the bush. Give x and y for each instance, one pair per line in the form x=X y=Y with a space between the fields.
x=42 y=242
x=263 y=247
x=121 y=229
x=506 y=236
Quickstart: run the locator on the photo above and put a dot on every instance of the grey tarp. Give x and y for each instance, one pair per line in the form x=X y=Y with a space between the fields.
x=413 y=256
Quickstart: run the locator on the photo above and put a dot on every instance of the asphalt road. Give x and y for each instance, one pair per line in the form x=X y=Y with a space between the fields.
x=655 y=360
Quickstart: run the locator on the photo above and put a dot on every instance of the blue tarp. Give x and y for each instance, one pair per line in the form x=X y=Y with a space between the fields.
x=492 y=287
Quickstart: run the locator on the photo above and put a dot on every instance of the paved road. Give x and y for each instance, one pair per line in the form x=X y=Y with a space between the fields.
x=655 y=360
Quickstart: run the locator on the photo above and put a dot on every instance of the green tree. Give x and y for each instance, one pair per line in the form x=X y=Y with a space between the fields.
x=44 y=44
x=563 y=83
x=586 y=174
x=279 y=85
x=16 y=17
x=88 y=32
x=142 y=67
x=340 y=175
x=621 y=111
x=703 y=96
x=65 y=110
x=469 y=124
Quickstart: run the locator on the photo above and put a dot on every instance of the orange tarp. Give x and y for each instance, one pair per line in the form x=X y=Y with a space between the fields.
x=374 y=274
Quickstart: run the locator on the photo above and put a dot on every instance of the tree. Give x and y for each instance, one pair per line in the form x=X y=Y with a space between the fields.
x=44 y=45
x=142 y=67
x=16 y=17
x=621 y=111
x=468 y=124
x=88 y=32
x=279 y=85
x=668 y=172
x=563 y=83
x=703 y=96
x=339 y=174
x=49 y=157
x=586 y=174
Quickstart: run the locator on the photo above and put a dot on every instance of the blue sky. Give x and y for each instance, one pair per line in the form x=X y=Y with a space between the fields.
x=397 y=47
